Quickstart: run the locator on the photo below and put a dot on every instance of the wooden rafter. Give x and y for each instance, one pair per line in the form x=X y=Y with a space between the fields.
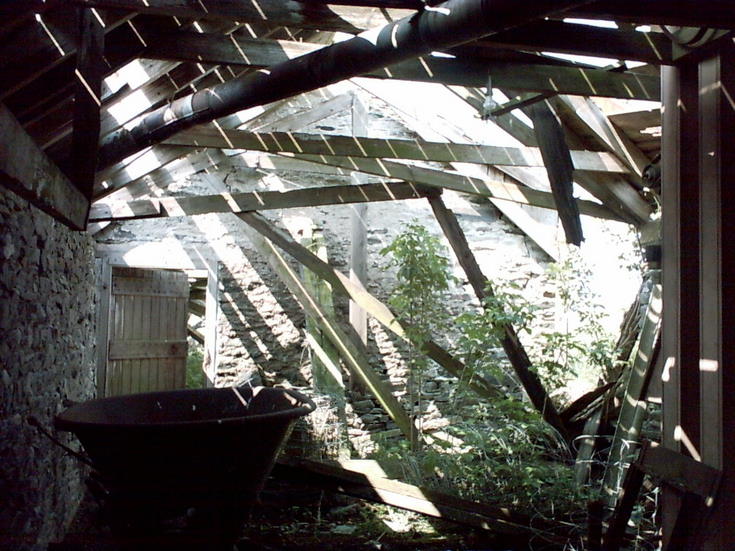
x=87 y=103
x=259 y=200
x=386 y=148
x=443 y=179
x=578 y=39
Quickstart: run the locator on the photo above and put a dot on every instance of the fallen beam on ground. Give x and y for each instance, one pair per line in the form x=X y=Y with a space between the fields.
x=414 y=498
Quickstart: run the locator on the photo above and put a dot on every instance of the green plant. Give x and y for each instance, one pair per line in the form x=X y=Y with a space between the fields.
x=423 y=277
x=195 y=377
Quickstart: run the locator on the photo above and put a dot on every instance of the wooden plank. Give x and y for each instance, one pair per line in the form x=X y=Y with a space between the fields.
x=386 y=148
x=559 y=168
x=246 y=202
x=585 y=115
x=351 y=354
x=512 y=345
x=633 y=408
x=444 y=179
x=358 y=227
x=136 y=285
x=28 y=172
x=87 y=102
x=343 y=285
x=103 y=283
x=680 y=471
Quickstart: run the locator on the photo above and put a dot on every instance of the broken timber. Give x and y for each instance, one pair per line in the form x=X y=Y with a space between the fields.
x=512 y=346
x=633 y=408
x=414 y=498
x=355 y=359
x=343 y=285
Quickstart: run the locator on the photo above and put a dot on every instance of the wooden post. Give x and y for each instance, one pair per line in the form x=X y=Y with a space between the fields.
x=717 y=295
x=680 y=269
x=104 y=281
x=87 y=102
x=211 y=321
x=358 y=224
x=699 y=384
x=325 y=371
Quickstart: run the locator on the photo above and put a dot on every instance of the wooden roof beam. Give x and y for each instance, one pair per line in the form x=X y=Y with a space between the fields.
x=540 y=77
x=330 y=17
x=717 y=14
x=444 y=179
x=259 y=200
x=82 y=164
x=28 y=172
x=586 y=40
x=385 y=148
x=33 y=49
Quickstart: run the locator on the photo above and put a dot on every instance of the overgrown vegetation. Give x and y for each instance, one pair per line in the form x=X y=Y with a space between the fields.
x=500 y=450
x=195 y=377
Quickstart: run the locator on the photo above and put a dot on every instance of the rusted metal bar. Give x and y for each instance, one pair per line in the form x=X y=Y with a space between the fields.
x=449 y=24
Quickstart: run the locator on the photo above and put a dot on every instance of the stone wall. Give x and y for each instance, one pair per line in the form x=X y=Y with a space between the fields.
x=47 y=341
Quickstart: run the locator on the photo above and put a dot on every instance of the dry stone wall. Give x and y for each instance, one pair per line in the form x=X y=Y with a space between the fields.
x=47 y=342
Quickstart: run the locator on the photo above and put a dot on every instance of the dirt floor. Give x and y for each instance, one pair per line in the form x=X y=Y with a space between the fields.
x=290 y=517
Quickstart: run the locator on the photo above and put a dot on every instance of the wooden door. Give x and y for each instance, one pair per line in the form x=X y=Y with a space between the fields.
x=147 y=331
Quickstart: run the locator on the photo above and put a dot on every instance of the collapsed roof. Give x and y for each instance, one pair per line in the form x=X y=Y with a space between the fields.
x=172 y=80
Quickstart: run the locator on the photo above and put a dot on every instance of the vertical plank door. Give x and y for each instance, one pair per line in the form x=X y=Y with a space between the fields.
x=147 y=332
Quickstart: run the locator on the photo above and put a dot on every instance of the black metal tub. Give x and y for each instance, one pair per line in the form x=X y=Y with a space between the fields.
x=159 y=455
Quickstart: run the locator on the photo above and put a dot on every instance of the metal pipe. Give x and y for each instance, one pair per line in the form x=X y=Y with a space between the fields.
x=446 y=25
